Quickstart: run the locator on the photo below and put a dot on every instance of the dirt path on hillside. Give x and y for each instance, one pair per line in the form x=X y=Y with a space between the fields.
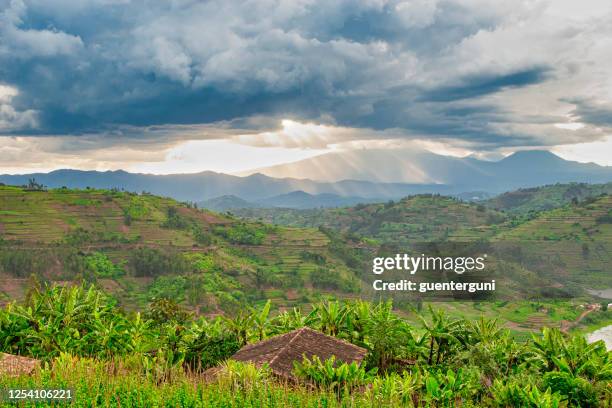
x=567 y=325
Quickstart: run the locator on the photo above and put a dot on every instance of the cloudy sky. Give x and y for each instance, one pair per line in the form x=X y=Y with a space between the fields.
x=184 y=86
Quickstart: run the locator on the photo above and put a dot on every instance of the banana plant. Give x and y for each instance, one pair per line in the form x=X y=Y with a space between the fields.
x=330 y=317
x=260 y=320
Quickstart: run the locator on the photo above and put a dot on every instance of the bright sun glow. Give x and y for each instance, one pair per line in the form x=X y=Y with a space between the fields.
x=221 y=156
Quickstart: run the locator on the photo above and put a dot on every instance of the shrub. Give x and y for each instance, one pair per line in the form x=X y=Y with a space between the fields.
x=244 y=234
x=325 y=279
x=174 y=220
x=165 y=310
x=102 y=267
x=330 y=375
x=153 y=262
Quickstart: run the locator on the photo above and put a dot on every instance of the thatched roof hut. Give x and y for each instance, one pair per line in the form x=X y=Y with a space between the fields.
x=279 y=352
x=13 y=366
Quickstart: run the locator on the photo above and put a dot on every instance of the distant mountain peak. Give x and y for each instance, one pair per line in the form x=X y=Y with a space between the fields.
x=532 y=155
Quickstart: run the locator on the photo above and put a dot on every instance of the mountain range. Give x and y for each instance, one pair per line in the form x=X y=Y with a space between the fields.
x=522 y=169
x=341 y=178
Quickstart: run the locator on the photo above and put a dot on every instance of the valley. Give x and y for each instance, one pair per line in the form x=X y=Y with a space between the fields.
x=141 y=247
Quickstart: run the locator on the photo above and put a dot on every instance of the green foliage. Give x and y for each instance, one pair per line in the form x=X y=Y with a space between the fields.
x=153 y=262
x=76 y=320
x=164 y=310
x=514 y=394
x=200 y=236
x=337 y=377
x=576 y=391
x=203 y=263
x=81 y=236
x=455 y=362
x=21 y=263
x=208 y=343
x=445 y=389
x=102 y=267
x=174 y=220
x=242 y=233
x=325 y=279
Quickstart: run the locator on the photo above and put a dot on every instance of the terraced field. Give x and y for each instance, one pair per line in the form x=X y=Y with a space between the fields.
x=213 y=263
x=412 y=219
x=575 y=241
x=61 y=227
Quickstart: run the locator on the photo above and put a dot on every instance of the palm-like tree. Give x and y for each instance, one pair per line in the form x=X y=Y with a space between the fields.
x=239 y=325
x=482 y=330
x=330 y=316
x=357 y=319
x=260 y=320
x=442 y=333
x=289 y=320
x=386 y=334
x=575 y=356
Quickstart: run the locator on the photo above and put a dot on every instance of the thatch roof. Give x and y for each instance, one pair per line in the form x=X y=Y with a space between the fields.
x=281 y=351
x=13 y=366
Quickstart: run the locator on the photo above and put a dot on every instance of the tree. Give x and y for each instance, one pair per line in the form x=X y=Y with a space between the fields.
x=442 y=333
x=386 y=334
x=330 y=317
x=260 y=320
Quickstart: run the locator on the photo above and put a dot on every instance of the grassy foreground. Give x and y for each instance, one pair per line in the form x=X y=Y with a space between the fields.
x=162 y=358
x=123 y=383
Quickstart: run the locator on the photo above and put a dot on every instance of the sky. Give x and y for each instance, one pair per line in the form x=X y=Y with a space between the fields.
x=185 y=86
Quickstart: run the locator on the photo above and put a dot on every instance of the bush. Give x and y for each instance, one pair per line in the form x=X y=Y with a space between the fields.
x=165 y=310
x=174 y=220
x=244 y=234
x=325 y=279
x=102 y=267
x=153 y=262
x=332 y=376
x=578 y=391
x=208 y=344
x=201 y=237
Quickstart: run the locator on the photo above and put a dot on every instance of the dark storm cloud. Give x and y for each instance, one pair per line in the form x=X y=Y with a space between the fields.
x=475 y=86
x=99 y=66
x=598 y=114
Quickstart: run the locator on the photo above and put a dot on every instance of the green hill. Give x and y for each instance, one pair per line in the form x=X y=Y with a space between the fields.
x=567 y=245
x=548 y=197
x=423 y=217
x=574 y=241
x=142 y=246
x=139 y=247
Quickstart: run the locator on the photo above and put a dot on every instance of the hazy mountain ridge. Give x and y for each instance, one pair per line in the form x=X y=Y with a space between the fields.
x=421 y=172
x=521 y=169
x=207 y=185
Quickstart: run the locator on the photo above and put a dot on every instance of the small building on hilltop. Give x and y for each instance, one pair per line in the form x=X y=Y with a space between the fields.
x=280 y=352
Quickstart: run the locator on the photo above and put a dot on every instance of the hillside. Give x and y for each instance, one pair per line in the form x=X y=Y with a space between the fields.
x=294 y=199
x=567 y=246
x=423 y=217
x=573 y=241
x=225 y=202
x=548 y=197
x=139 y=247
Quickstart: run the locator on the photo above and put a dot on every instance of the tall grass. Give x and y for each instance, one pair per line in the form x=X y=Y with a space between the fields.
x=126 y=383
